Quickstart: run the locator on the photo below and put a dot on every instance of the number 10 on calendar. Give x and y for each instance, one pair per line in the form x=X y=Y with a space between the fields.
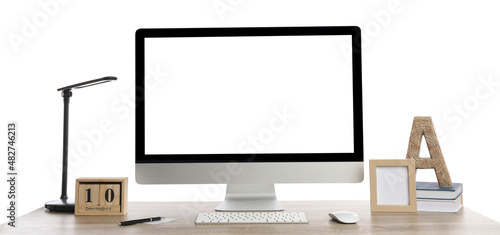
x=101 y=196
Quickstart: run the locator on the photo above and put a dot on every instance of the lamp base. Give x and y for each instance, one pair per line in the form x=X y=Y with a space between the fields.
x=61 y=205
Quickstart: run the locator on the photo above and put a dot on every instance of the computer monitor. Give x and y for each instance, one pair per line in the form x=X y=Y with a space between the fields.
x=249 y=107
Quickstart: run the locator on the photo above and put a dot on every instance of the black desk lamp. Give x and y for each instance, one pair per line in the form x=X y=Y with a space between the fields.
x=64 y=204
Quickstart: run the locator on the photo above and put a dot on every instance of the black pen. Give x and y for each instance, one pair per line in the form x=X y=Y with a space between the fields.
x=137 y=221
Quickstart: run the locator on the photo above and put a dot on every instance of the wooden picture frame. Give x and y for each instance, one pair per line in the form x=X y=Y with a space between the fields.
x=393 y=186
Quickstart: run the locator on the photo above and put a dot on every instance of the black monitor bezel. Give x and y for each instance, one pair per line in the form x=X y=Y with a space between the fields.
x=142 y=34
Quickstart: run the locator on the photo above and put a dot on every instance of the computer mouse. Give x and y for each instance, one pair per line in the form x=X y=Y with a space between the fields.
x=344 y=217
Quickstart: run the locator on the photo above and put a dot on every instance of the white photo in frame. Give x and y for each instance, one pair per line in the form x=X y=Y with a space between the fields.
x=393 y=186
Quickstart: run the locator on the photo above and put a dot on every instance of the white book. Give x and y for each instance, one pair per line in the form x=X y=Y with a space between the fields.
x=453 y=205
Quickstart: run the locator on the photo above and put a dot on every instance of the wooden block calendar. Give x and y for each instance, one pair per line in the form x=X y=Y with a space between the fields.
x=101 y=196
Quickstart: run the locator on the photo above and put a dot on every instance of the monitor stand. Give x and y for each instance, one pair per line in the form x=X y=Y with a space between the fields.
x=250 y=197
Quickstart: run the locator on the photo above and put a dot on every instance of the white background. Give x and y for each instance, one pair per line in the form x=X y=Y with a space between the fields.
x=431 y=58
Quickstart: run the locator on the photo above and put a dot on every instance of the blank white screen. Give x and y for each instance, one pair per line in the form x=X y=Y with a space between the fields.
x=282 y=94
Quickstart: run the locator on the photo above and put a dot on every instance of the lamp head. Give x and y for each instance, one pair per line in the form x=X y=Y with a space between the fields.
x=88 y=83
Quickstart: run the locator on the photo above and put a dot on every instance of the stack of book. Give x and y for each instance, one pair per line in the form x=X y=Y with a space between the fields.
x=431 y=197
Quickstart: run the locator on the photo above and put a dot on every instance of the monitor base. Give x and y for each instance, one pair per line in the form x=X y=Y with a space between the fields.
x=250 y=197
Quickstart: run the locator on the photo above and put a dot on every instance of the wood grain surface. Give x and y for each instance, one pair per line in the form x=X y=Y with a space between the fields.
x=463 y=222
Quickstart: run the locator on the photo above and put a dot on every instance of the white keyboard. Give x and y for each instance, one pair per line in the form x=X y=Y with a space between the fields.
x=252 y=218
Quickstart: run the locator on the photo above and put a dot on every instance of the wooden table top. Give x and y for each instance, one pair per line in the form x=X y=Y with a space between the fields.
x=465 y=221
